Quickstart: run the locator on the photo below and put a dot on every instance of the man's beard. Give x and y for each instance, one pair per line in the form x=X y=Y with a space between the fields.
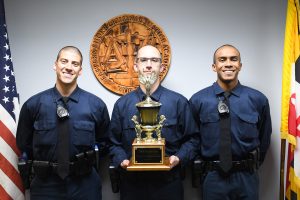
x=148 y=79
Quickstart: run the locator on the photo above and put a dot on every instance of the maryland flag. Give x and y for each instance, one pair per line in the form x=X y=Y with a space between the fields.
x=290 y=109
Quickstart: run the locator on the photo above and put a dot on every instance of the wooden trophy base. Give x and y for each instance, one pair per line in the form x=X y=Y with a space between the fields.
x=149 y=156
x=150 y=167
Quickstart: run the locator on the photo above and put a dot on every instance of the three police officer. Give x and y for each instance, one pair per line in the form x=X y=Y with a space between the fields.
x=227 y=113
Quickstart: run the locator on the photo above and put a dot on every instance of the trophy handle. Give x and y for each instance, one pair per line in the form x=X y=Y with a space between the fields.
x=138 y=128
x=162 y=118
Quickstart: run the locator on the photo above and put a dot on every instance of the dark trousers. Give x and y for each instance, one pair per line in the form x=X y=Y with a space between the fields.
x=237 y=186
x=151 y=186
x=72 y=188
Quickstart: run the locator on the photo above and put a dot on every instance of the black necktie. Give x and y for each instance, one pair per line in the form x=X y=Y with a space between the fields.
x=63 y=145
x=225 y=138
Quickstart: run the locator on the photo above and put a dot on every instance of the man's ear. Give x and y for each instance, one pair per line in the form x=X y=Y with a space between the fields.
x=54 y=66
x=135 y=67
x=214 y=67
x=240 y=66
x=80 y=72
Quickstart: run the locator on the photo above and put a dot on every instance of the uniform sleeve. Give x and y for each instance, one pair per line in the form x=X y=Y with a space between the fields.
x=25 y=129
x=102 y=129
x=265 y=130
x=190 y=132
x=117 y=152
x=195 y=110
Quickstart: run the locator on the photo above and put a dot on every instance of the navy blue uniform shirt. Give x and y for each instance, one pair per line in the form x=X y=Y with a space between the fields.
x=250 y=120
x=179 y=129
x=37 y=129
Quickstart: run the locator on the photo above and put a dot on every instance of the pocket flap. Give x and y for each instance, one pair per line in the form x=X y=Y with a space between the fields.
x=44 y=125
x=170 y=122
x=209 y=118
x=84 y=125
x=128 y=124
x=250 y=118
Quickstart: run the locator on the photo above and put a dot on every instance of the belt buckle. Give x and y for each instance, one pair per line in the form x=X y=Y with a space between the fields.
x=53 y=167
x=239 y=165
x=72 y=168
x=212 y=165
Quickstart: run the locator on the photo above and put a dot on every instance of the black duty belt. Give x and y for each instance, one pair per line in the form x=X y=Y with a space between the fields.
x=81 y=166
x=45 y=168
x=241 y=165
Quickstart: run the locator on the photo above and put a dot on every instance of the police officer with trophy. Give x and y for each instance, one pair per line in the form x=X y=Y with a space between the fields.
x=175 y=125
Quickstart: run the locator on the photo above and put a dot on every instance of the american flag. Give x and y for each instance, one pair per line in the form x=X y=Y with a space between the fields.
x=10 y=182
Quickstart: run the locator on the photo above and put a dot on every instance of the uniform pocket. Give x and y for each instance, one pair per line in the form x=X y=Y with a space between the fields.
x=128 y=134
x=248 y=126
x=170 y=122
x=128 y=124
x=209 y=118
x=44 y=133
x=209 y=128
x=170 y=132
x=84 y=133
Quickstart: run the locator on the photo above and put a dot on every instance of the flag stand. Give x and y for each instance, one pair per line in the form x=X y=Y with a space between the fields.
x=282 y=164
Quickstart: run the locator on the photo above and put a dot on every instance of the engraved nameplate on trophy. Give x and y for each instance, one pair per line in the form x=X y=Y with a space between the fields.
x=148 y=152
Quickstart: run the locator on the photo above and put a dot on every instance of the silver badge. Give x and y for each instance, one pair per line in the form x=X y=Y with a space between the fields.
x=62 y=113
x=223 y=108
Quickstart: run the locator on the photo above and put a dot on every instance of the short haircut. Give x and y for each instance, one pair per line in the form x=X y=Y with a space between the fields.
x=225 y=45
x=137 y=54
x=72 y=48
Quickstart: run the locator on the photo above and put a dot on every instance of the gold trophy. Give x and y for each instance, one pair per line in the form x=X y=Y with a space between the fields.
x=148 y=152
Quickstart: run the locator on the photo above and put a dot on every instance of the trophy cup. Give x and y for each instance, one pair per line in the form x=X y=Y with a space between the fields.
x=148 y=152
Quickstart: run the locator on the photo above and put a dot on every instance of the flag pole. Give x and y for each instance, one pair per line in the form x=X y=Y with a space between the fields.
x=282 y=164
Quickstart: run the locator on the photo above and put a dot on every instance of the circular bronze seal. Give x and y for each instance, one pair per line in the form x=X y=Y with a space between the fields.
x=115 y=45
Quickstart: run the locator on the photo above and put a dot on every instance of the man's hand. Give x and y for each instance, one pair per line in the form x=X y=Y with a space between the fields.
x=174 y=160
x=124 y=164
